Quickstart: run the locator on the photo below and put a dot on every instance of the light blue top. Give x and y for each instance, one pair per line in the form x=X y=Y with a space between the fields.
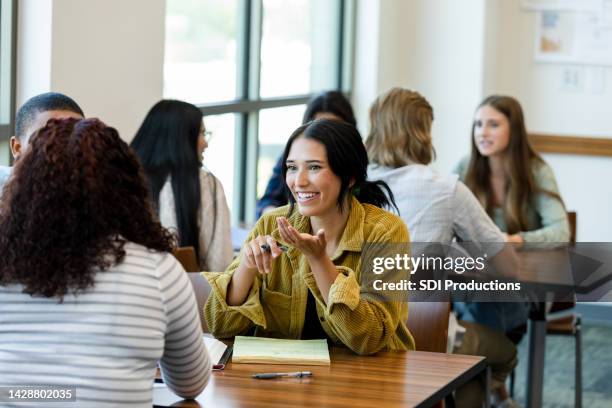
x=546 y=217
x=5 y=172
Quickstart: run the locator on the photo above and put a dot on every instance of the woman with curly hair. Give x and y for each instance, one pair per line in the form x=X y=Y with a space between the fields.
x=188 y=198
x=89 y=294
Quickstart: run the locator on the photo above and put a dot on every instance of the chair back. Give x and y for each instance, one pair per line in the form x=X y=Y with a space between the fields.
x=571 y=218
x=201 y=288
x=559 y=305
x=187 y=257
x=428 y=324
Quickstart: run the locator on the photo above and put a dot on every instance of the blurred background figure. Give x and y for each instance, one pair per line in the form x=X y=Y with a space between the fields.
x=33 y=115
x=188 y=198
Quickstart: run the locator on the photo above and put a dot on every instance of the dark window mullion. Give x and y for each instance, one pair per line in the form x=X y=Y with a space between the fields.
x=347 y=49
x=340 y=47
x=252 y=145
x=241 y=117
x=243 y=106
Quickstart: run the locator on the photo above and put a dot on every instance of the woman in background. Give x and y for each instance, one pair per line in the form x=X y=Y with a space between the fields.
x=517 y=189
x=326 y=105
x=188 y=198
x=313 y=289
x=511 y=181
x=89 y=293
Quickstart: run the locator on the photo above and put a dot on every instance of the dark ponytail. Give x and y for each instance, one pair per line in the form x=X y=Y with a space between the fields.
x=376 y=193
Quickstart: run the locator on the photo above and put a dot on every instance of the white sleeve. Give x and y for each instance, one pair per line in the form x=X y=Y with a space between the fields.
x=185 y=364
x=472 y=223
x=215 y=227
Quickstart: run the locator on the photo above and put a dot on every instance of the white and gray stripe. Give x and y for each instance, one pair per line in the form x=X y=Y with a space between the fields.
x=107 y=341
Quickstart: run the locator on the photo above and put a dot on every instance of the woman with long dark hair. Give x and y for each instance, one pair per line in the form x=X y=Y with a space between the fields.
x=187 y=197
x=313 y=289
x=510 y=179
x=326 y=105
x=89 y=293
x=519 y=192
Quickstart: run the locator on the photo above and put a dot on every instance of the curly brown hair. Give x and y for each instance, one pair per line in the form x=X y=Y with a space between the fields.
x=75 y=198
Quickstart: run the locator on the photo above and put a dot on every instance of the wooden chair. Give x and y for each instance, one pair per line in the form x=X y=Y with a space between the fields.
x=187 y=257
x=428 y=324
x=566 y=325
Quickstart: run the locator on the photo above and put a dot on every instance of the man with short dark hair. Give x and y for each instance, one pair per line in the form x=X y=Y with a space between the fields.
x=34 y=115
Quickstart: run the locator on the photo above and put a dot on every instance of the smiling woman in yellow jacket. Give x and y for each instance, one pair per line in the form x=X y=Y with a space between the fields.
x=312 y=290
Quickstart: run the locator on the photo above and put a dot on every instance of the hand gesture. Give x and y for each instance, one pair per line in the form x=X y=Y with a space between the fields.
x=312 y=246
x=259 y=253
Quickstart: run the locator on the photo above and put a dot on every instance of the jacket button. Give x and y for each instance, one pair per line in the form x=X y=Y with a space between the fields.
x=322 y=318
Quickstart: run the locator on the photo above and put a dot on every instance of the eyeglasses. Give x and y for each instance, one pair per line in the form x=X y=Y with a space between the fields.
x=207 y=135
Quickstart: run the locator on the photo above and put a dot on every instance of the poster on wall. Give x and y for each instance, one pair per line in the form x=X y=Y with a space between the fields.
x=575 y=37
x=556 y=37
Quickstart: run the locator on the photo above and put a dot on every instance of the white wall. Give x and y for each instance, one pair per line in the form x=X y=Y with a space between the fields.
x=433 y=47
x=365 y=87
x=457 y=52
x=33 y=48
x=106 y=54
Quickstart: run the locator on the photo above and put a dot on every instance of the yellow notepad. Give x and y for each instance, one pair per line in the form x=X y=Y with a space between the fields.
x=262 y=350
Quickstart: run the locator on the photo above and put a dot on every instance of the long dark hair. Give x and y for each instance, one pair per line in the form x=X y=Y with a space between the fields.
x=521 y=158
x=348 y=160
x=333 y=102
x=166 y=144
x=75 y=197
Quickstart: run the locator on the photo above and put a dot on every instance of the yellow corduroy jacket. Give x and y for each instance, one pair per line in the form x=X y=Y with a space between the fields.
x=276 y=303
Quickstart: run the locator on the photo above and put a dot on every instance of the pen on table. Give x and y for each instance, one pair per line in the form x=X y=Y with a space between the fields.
x=267 y=248
x=296 y=374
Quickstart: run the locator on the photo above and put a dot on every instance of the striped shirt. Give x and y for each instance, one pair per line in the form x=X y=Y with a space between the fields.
x=106 y=341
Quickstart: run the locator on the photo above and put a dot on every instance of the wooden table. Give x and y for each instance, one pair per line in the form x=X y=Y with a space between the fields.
x=387 y=379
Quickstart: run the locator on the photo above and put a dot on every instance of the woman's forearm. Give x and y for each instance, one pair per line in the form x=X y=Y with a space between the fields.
x=324 y=272
x=240 y=285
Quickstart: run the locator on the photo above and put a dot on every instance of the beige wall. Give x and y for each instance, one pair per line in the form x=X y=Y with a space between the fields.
x=107 y=54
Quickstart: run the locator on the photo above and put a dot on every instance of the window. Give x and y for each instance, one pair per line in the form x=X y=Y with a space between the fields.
x=251 y=65
x=200 y=59
x=275 y=126
x=8 y=27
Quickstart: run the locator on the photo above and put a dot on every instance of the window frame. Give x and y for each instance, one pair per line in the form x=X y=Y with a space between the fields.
x=248 y=103
x=7 y=129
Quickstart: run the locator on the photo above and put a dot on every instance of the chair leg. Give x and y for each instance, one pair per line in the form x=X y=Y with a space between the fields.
x=578 y=381
x=512 y=374
x=449 y=401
